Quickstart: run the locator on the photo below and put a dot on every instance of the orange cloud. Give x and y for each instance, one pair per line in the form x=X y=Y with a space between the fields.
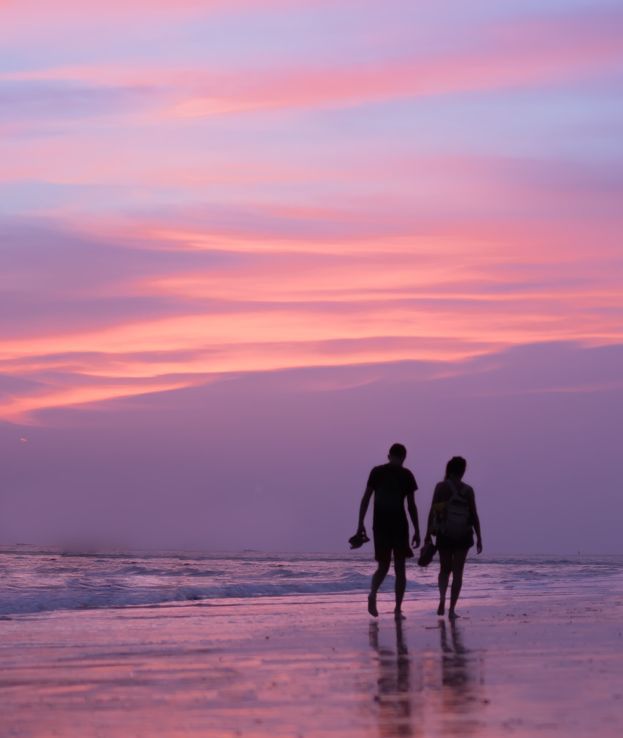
x=286 y=312
x=287 y=258
x=20 y=409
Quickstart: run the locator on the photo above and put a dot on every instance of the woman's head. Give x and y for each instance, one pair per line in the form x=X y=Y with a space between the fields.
x=456 y=467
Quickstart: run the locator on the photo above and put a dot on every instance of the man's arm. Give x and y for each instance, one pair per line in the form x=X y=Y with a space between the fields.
x=412 y=508
x=363 y=508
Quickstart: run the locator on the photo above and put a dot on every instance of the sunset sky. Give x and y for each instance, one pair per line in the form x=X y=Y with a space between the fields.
x=245 y=245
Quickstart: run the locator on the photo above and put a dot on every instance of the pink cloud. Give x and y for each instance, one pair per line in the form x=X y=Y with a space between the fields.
x=20 y=409
x=283 y=259
x=561 y=49
x=268 y=311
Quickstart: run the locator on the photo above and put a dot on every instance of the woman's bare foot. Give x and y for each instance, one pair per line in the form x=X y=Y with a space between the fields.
x=452 y=615
x=372 y=606
x=441 y=609
x=398 y=615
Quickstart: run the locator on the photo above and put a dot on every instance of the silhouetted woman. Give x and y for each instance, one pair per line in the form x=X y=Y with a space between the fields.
x=453 y=518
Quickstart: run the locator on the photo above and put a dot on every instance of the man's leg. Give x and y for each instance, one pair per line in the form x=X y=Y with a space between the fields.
x=377 y=579
x=445 y=567
x=400 y=570
x=458 y=563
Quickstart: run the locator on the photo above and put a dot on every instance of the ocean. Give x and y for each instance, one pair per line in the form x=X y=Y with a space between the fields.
x=36 y=580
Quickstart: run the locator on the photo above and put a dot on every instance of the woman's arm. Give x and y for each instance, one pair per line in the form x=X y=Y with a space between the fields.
x=475 y=521
x=429 y=525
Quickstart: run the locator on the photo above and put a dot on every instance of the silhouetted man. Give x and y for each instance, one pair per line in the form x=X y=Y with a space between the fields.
x=391 y=484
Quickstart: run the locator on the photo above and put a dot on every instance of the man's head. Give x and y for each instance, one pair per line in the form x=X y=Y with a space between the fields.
x=397 y=454
x=456 y=467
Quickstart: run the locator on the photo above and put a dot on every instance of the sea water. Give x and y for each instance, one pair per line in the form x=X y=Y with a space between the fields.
x=39 y=580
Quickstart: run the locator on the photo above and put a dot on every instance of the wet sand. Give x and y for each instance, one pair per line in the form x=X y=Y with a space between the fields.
x=316 y=666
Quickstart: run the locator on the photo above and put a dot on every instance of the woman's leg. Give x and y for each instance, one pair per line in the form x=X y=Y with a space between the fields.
x=400 y=569
x=445 y=567
x=458 y=563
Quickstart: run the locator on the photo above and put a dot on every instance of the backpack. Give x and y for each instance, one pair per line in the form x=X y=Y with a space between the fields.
x=456 y=523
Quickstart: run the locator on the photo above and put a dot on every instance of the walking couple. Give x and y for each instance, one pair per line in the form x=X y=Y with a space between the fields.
x=452 y=519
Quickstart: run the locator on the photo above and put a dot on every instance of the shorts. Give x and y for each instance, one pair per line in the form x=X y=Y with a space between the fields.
x=391 y=540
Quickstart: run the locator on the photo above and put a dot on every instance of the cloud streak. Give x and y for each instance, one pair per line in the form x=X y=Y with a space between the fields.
x=193 y=315
x=175 y=214
x=561 y=49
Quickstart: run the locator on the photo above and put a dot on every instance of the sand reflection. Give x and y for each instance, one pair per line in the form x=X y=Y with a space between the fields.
x=461 y=683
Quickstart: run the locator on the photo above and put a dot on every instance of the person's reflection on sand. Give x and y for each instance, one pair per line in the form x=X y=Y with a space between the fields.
x=394 y=696
x=461 y=685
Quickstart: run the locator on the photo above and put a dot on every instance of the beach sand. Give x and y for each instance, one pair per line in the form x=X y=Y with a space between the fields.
x=316 y=666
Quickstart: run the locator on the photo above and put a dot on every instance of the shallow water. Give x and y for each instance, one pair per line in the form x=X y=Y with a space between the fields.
x=40 y=580
x=316 y=666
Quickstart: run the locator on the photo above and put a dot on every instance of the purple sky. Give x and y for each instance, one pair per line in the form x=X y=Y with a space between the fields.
x=247 y=245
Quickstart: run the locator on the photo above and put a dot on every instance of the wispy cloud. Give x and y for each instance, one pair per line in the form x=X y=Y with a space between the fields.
x=562 y=49
x=124 y=319
x=204 y=213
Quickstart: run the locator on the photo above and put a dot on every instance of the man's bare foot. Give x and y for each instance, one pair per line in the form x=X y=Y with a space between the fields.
x=372 y=606
x=398 y=615
x=441 y=609
x=452 y=615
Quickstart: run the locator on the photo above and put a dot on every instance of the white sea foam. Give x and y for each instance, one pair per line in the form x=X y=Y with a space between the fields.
x=35 y=581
